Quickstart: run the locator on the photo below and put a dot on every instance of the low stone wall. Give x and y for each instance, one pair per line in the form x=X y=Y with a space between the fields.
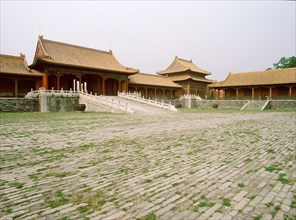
x=61 y=104
x=52 y=104
x=282 y=104
x=231 y=104
x=19 y=105
x=176 y=102
x=204 y=104
x=223 y=104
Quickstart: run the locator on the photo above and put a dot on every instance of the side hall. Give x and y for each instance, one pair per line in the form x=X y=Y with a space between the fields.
x=58 y=65
x=260 y=85
x=16 y=78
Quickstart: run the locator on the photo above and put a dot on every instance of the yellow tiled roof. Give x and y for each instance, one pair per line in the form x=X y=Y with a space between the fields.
x=186 y=77
x=152 y=80
x=181 y=65
x=267 y=77
x=73 y=55
x=16 y=65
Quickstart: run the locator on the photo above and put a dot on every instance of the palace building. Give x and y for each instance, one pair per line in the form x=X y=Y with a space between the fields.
x=16 y=78
x=268 y=84
x=189 y=76
x=61 y=63
x=58 y=65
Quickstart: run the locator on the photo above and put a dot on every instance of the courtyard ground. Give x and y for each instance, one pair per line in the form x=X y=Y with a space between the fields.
x=188 y=165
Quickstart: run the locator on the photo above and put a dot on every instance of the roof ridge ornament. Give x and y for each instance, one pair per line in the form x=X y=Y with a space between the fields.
x=25 y=62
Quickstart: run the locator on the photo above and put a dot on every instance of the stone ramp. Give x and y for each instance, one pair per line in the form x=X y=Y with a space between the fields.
x=103 y=103
x=256 y=105
x=141 y=108
x=116 y=104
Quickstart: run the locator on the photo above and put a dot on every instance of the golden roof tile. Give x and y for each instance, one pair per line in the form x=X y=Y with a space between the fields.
x=186 y=77
x=267 y=77
x=152 y=80
x=73 y=55
x=182 y=65
x=16 y=65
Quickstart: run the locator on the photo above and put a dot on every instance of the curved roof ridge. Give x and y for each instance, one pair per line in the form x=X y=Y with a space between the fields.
x=77 y=46
x=265 y=71
x=189 y=61
x=25 y=62
x=180 y=65
x=152 y=74
x=74 y=55
x=40 y=39
x=11 y=56
x=16 y=65
x=192 y=66
x=229 y=75
x=172 y=64
x=178 y=59
x=125 y=67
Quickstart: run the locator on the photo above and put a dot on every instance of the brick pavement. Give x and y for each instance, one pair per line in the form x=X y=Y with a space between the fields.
x=175 y=166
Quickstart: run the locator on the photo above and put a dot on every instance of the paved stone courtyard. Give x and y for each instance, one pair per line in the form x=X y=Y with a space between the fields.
x=186 y=165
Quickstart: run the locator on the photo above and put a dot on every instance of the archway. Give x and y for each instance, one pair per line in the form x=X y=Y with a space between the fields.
x=143 y=91
x=94 y=83
x=159 y=94
x=167 y=94
x=151 y=93
x=52 y=82
x=175 y=94
x=131 y=88
x=7 y=87
x=246 y=94
x=25 y=86
x=123 y=86
x=282 y=92
x=293 y=92
x=262 y=93
x=230 y=94
x=111 y=87
x=66 y=81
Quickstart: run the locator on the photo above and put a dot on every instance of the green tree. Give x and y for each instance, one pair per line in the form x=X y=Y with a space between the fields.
x=285 y=63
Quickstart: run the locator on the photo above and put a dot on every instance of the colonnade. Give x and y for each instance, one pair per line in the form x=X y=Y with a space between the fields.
x=255 y=92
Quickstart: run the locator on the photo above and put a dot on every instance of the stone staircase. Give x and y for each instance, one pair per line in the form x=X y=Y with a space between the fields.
x=141 y=108
x=136 y=97
x=117 y=104
x=104 y=103
x=255 y=105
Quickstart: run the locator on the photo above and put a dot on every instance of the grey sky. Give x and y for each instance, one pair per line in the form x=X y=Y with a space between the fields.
x=219 y=37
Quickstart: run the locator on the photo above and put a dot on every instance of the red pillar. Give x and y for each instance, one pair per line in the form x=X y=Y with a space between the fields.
x=119 y=86
x=58 y=82
x=45 y=81
x=15 y=88
x=103 y=86
x=126 y=83
x=99 y=86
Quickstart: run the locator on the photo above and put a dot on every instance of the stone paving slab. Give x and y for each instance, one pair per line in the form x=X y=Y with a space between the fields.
x=187 y=165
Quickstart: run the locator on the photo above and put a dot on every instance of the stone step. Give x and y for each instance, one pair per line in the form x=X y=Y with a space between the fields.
x=254 y=105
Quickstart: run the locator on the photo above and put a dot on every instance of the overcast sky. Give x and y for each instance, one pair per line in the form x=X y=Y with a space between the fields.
x=219 y=37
